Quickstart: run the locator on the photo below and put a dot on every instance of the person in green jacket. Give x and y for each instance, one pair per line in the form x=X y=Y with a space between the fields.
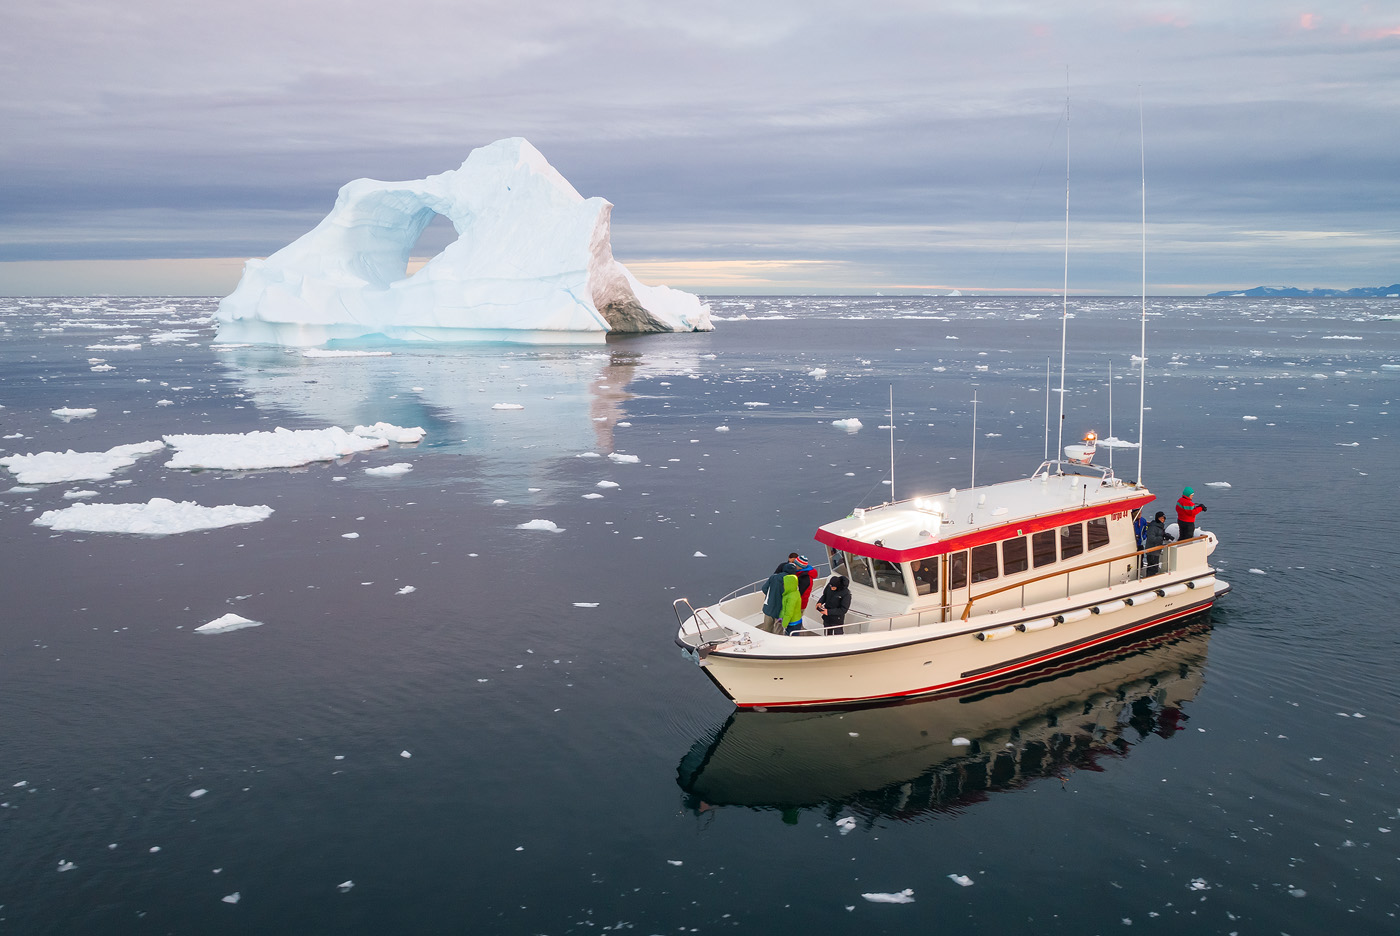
x=792 y=605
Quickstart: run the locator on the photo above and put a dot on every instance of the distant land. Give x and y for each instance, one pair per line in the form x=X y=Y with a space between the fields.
x=1361 y=292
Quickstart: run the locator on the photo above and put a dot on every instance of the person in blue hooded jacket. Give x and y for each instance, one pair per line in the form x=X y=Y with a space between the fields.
x=773 y=603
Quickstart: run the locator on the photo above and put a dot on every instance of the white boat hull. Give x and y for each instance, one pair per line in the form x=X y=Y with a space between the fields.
x=756 y=669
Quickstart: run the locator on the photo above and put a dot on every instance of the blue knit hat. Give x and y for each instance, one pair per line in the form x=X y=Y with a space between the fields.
x=1187 y=492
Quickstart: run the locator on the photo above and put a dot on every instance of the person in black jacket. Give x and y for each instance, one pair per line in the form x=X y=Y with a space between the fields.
x=834 y=602
x=1155 y=535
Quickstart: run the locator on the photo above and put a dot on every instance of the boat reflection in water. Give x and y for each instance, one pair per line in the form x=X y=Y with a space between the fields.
x=940 y=755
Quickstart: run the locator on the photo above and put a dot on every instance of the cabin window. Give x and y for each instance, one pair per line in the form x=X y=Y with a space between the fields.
x=1098 y=532
x=1071 y=540
x=889 y=577
x=1013 y=556
x=838 y=563
x=957 y=570
x=860 y=571
x=984 y=562
x=1043 y=548
x=925 y=576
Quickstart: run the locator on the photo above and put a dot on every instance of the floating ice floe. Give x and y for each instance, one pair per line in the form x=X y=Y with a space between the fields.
x=344 y=886
x=961 y=742
x=588 y=455
x=699 y=555
x=65 y=865
x=1258 y=572
x=233 y=898
x=1198 y=884
x=507 y=406
x=606 y=484
x=349 y=536
x=755 y=403
x=850 y=425
x=905 y=896
x=1115 y=442
x=1249 y=418
x=281 y=448
x=156 y=517
x=391 y=433
x=335 y=352
x=69 y=412
x=114 y=347
x=390 y=471
x=592 y=496
x=1218 y=484
x=962 y=880
x=549 y=526
x=623 y=459
x=76 y=495
x=721 y=428
x=1342 y=338
x=405 y=754
x=226 y=623
x=1348 y=444
x=846 y=824
x=817 y=372
x=585 y=604
x=51 y=468
x=406 y=590
x=196 y=794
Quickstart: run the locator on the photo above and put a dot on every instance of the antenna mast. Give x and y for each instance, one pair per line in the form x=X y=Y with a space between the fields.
x=1047 y=409
x=973 y=486
x=1064 y=310
x=891 y=443
x=1142 y=354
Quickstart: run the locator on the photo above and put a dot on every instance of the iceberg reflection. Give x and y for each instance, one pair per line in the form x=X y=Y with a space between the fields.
x=941 y=755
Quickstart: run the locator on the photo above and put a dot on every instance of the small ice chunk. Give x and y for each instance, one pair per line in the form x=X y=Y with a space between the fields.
x=902 y=897
x=606 y=484
x=850 y=425
x=1249 y=418
x=225 y=623
x=721 y=428
x=65 y=865
x=405 y=754
x=406 y=590
x=75 y=495
x=755 y=404
x=817 y=372
x=588 y=455
x=585 y=604
x=1218 y=484
x=71 y=412
x=1199 y=884
x=1258 y=572
x=846 y=824
x=962 y=880
x=233 y=898
x=548 y=526
x=390 y=471
x=699 y=555
x=499 y=501
x=621 y=459
x=196 y=794
x=593 y=496
x=391 y=433
x=507 y=406
x=961 y=742
x=675 y=862
x=349 y=536
x=344 y=886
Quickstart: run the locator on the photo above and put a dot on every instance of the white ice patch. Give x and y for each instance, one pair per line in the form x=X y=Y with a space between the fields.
x=585 y=604
x=69 y=412
x=196 y=794
x=962 y=880
x=156 y=517
x=593 y=496
x=588 y=455
x=349 y=536
x=549 y=526
x=281 y=448
x=507 y=406
x=65 y=865
x=755 y=403
x=389 y=471
x=233 y=898
x=391 y=433
x=1258 y=572
x=1114 y=442
x=1218 y=484
x=1250 y=418
x=846 y=824
x=406 y=590
x=699 y=555
x=335 y=352
x=721 y=428
x=606 y=484
x=344 y=886
x=1342 y=338
x=905 y=896
x=114 y=347
x=226 y=623
x=623 y=459
x=78 y=495
x=850 y=425
x=817 y=372
x=961 y=742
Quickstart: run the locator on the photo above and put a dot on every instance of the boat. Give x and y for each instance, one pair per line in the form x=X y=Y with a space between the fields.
x=939 y=756
x=958 y=588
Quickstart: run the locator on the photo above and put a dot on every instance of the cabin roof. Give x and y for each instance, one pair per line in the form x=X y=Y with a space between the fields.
x=935 y=524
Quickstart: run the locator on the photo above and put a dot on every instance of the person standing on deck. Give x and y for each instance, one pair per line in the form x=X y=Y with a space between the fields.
x=792 y=605
x=773 y=604
x=1139 y=527
x=1155 y=535
x=1186 y=512
x=834 y=603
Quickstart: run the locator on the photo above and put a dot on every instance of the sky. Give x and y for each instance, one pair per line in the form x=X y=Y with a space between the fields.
x=748 y=146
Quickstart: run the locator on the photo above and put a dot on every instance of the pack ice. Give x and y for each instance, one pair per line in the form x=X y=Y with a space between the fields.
x=532 y=263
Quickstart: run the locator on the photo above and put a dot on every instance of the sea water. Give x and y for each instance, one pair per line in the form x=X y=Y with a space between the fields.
x=449 y=723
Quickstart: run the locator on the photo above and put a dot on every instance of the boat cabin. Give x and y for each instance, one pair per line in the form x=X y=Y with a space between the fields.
x=1001 y=546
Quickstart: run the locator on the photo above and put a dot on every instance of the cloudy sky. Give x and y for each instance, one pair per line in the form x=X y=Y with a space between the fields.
x=148 y=146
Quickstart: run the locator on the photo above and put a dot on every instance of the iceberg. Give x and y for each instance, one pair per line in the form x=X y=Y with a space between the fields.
x=532 y=263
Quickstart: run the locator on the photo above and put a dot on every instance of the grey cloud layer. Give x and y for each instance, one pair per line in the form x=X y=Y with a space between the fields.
x=161 y=129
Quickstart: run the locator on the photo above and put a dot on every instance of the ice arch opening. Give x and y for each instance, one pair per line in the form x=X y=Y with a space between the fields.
x=532 y=262
x=437 y=235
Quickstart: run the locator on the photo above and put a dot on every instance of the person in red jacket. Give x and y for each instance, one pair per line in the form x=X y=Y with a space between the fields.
x=1186 y=513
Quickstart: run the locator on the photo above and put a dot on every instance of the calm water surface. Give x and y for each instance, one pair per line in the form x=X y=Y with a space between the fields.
x=569 y=771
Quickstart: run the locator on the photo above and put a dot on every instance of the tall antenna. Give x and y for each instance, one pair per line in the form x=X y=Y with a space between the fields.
x=1142 y=354
x=892 y=499
x=1064 y=311
x=973 y=486
x=1110 y=415
x=1047 y=409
